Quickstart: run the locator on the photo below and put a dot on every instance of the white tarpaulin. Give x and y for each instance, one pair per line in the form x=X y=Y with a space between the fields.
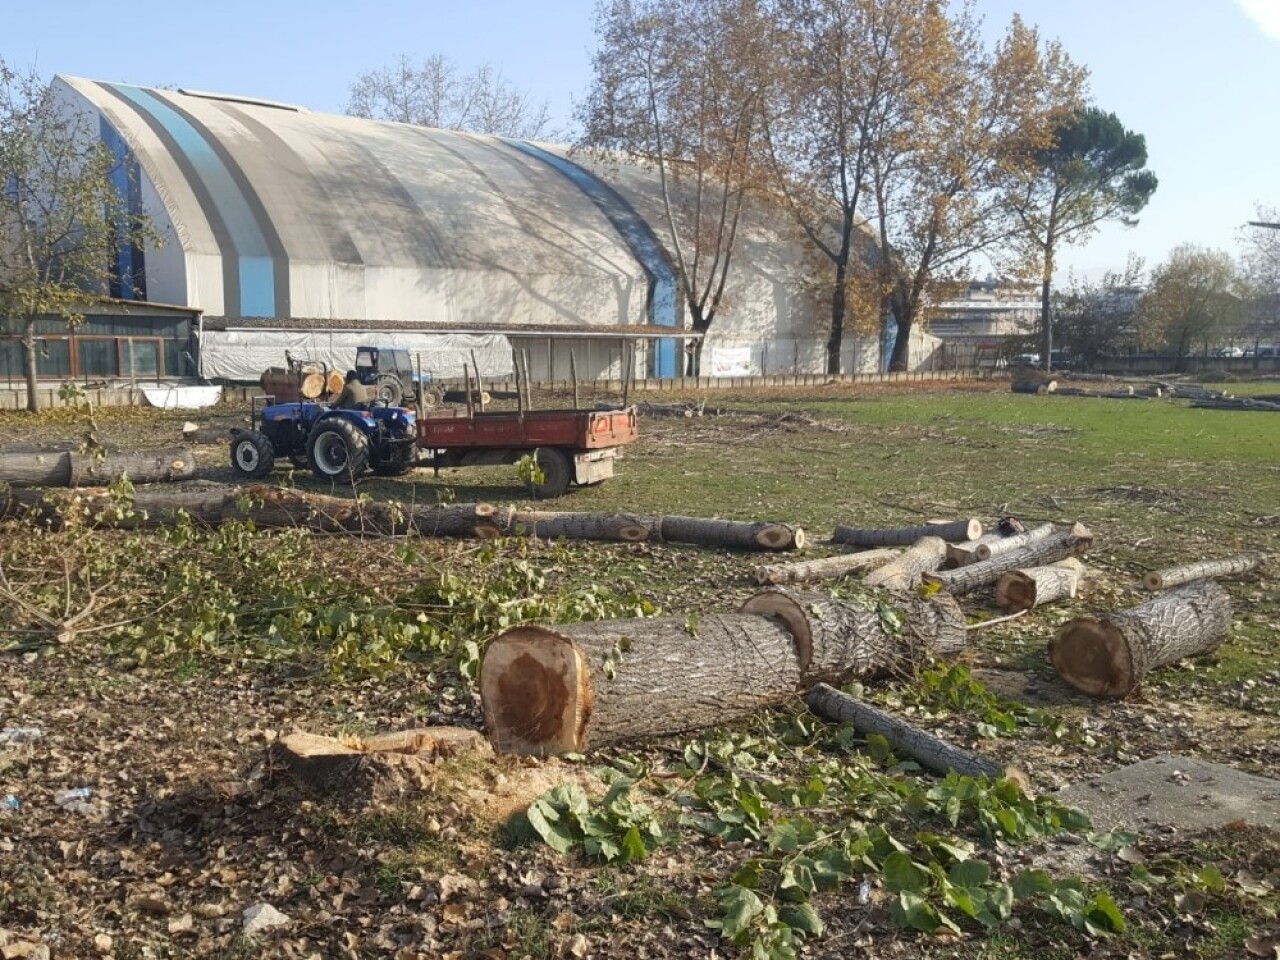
x=242 y=355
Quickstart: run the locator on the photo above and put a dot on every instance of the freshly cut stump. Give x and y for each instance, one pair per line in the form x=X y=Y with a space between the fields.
x=1108 y=656
x=953 y=530
x=561 y=689
x=1204 y=570
x=837 y=639
x=375 y=769
x=1027 y=589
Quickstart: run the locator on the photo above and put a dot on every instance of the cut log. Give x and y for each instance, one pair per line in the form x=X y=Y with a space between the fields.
x=827 y=568
x=837 y=639
x=377 y=769
x=71 y=468
x=903 y=574
x=191 y=433
x=460 y=396
x=550 y=690
x=1034 y=386
x=993 y=548
x=1059 y=546
x=1204 y=570
x=1108 y=656
x=731 y=534
x=1033 y=587
x=932 y=753
x=621 y=527
x=957 y=530
x=334 y=382
x=966 y=552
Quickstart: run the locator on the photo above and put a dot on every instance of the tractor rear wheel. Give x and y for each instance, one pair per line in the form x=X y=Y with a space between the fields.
x=252 y=455
x=557 y=472
x=337 y=450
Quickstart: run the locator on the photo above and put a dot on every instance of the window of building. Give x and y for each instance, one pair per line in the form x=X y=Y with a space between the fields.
x=53 y=358
x=98 y=358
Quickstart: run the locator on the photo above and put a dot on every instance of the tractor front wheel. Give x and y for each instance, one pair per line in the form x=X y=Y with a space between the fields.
x=337 y=450
x=252 y=455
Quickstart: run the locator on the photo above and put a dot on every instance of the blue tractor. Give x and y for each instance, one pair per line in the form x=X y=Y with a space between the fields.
x=335 y=444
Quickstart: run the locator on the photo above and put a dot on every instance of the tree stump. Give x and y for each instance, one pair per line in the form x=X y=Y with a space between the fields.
x=1108 y=656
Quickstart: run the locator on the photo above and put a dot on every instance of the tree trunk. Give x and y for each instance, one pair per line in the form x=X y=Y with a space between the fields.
x=955 y=530
x=1046 y=314
x=835 y=340
x=903 y=574
x=1040 y=387
x=1038 y=553
x=549 y=690
x=929 y=751
x=837 y=639
x=70 y=468
x=1028 y=589
x=996 y=548
x=378 y=769
x=904 y=318
x=623 y=527
x=29 y=367
x=1108 y=656
x=827 y=568
x=731 y=534
x=1204 y=570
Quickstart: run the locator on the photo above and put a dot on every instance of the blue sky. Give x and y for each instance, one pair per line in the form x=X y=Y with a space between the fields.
x=1200 y=78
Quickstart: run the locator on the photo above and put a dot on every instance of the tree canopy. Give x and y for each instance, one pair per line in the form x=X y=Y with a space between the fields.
x=1193 y=301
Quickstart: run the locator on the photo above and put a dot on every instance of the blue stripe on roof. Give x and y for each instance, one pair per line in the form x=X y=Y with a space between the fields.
x=257 y=285
x=641 y=240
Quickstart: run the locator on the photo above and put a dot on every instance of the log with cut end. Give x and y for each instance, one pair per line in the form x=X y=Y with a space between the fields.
x=731 y=534
x=826 y=568
x=1033 y=587
x=559 y=689
x=73 y=468
x=1109 y=656
x=1203 y=570
x=932 y=753
x=993 y=548
x=1040 y=387
x=374 y=769
x=966 y=551
x=903 y=574
x=1069 y=543
x=836 y=639
x=549 y=525
x=953 y=530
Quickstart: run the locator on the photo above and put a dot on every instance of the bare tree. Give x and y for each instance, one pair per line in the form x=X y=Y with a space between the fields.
x=62 y=218
x=1096 y=318
x=679 y=86
x=1260 y=276
x=438 y=93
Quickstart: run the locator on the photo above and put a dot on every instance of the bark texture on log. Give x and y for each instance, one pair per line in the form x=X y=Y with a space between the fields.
x=1035 y=586
x=956 y=530
x=1204 y=570
x=372 y=770
x=548 y=690
x=732 y=534
x=1108 y=656
x=550 y=525
x=71 y=468
x=837 y=639
x=903 y=574
x=929 y=751
x=826 y=568
x=994 y=548
x=962 y=580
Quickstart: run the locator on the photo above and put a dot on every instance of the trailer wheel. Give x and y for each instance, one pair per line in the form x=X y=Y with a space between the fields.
x=557 y=472
x=337 y=450
x=252 y=455
x=401 y=458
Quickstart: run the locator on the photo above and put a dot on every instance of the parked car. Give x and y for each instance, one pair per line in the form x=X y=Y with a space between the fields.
x=1262 y=352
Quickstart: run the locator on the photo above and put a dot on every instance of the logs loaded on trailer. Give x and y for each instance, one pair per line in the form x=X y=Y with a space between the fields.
x=73 y=468
x=1108 y=656
x=565 y=688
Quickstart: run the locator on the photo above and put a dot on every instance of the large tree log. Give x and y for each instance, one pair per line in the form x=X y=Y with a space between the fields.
x=962 y=580
x=837 y=639
x=826 y=568
x=903 y=574
x=994 y=548
x=1204 y=570
x=1108 y=656
x=623 y=527
x=955 y=530
x=731 y=534
x=71 y=468
x=932 y=753
x=1034 y=386
x=557 y=689
x=1028 y=589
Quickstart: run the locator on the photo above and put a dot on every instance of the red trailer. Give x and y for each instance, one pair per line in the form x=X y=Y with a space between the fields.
x=573 y=446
